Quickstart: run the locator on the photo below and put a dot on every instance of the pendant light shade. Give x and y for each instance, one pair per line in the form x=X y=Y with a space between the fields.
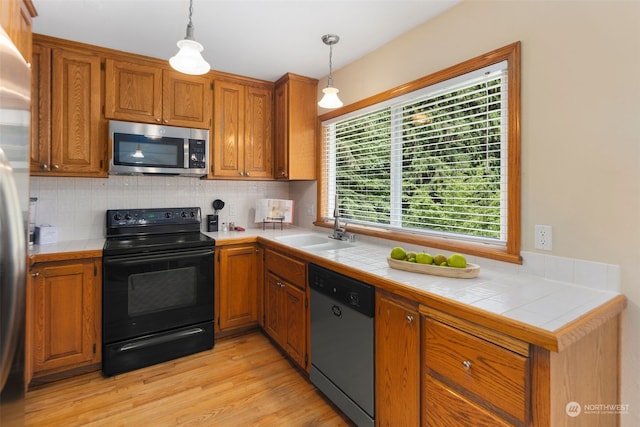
x=330 y=98
x=189 y=60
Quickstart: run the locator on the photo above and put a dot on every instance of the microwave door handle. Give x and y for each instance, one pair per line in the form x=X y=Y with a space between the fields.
x=186 y=153
x=12 y=267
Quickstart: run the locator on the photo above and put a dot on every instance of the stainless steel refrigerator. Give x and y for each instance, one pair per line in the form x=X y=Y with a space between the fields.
x=15 y=77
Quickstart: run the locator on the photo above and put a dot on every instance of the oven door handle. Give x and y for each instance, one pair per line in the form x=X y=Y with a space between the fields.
x=133 y=259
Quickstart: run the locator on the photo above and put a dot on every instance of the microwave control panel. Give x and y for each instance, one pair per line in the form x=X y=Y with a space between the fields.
x=197 y=154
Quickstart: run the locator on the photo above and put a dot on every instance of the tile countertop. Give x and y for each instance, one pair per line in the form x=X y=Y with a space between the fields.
x=555 y=312
x=502 y=294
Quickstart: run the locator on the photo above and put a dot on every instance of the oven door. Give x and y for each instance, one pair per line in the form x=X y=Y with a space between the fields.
x=150 y=293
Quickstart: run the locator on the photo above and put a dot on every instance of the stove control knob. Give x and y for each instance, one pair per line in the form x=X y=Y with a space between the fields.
x=127 y=216
x=193 y=214
x=117 y=217
x=183 y=214
x=167 y=214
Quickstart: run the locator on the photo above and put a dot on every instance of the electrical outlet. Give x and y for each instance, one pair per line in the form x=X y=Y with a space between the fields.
x=544 y=237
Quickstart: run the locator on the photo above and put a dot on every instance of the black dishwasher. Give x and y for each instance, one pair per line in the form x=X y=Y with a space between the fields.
x=342 y=342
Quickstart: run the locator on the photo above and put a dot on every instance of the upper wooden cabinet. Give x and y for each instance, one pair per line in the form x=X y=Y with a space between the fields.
x=295 y=127
x=242 y=131
x=15 y=17
x=66 y=139
x=146 y=93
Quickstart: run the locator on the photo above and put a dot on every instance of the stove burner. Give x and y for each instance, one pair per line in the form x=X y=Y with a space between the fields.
x=149 y=230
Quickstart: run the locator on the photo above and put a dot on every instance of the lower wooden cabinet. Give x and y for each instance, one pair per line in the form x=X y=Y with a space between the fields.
x=285 y=302
x=238 y=270
x=397 y=361
x=473 y=375
x=64 y=316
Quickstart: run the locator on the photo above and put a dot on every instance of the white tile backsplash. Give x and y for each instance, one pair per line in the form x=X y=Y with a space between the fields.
x=77 y=205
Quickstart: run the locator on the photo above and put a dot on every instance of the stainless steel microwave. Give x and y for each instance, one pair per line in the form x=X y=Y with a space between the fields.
x=146 y=149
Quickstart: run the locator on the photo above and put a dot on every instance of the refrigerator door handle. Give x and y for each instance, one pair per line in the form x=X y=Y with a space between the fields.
x=12 y=267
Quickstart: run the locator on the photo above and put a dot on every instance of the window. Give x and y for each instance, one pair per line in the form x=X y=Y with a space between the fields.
x=436 y=163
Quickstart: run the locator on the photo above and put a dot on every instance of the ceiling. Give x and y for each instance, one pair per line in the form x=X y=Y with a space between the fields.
x=256 y=38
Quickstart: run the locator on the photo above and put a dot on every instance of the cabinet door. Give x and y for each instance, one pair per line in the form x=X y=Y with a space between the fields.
x=76 y=146
x=258 y=133
x=296 y=336
x=66 y=315
x=397 y=363
x=133 y=92
x=228 y=132
x=40 y=149
x=296 y=127
x=281 y=150
x=186 y=100
x=274 y=322
x=238 y=286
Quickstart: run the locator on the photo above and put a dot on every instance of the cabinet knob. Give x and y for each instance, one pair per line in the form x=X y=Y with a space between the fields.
x=247 y=174
x=44 y=166
x=35 y=274
x=282 y=173
x=409 y=318
x=55 y=167
x=280 y=284
x=166 y=121
x=466 y=364
x=158 y=119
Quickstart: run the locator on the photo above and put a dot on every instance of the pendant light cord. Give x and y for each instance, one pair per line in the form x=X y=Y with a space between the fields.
x=330 y=80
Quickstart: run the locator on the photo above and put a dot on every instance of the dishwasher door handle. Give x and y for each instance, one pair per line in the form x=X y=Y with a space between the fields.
x=337 y=311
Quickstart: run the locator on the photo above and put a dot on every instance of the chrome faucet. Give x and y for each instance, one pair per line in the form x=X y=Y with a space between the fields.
x=339 y=233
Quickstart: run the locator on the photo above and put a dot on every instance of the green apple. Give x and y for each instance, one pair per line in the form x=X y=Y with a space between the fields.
x=457 y=260
x=398 y=253
x=424 y=258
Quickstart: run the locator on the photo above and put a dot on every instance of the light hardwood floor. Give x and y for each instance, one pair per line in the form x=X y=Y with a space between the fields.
x=243 y=381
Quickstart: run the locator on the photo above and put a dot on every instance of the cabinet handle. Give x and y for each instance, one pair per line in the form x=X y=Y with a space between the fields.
x=35 y=274
x=409 y=318
x=280 y=284
x=44 y=166
x=466 y=364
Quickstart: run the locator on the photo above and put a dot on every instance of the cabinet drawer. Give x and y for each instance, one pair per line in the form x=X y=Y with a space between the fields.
x=488 y=373
x=287 y=268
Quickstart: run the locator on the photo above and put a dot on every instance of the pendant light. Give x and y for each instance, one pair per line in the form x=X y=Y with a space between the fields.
x=330 y=98
x=188 y=60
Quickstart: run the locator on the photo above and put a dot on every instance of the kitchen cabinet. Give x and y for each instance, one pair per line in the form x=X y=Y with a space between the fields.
x=243 y=131
x=15 y=18
x=144 y=92
x=64 y=316
x=239 y=269
x=286 y=303
x=295 y=127
x=66 y=138
x=397 y=361
x=474 y=375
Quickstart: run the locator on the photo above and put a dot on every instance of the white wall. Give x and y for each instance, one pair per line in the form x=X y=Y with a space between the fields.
x=77 y=205
x=580 y=109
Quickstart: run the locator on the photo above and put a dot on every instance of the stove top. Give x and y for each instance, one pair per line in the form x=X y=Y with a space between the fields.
x=151 y=230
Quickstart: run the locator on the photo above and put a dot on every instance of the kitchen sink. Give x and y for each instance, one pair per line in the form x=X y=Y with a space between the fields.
x=331 y=244
x=300 y=240
x=313 y=242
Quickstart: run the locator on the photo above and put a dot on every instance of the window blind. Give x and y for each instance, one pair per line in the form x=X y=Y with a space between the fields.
x=432 y=161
